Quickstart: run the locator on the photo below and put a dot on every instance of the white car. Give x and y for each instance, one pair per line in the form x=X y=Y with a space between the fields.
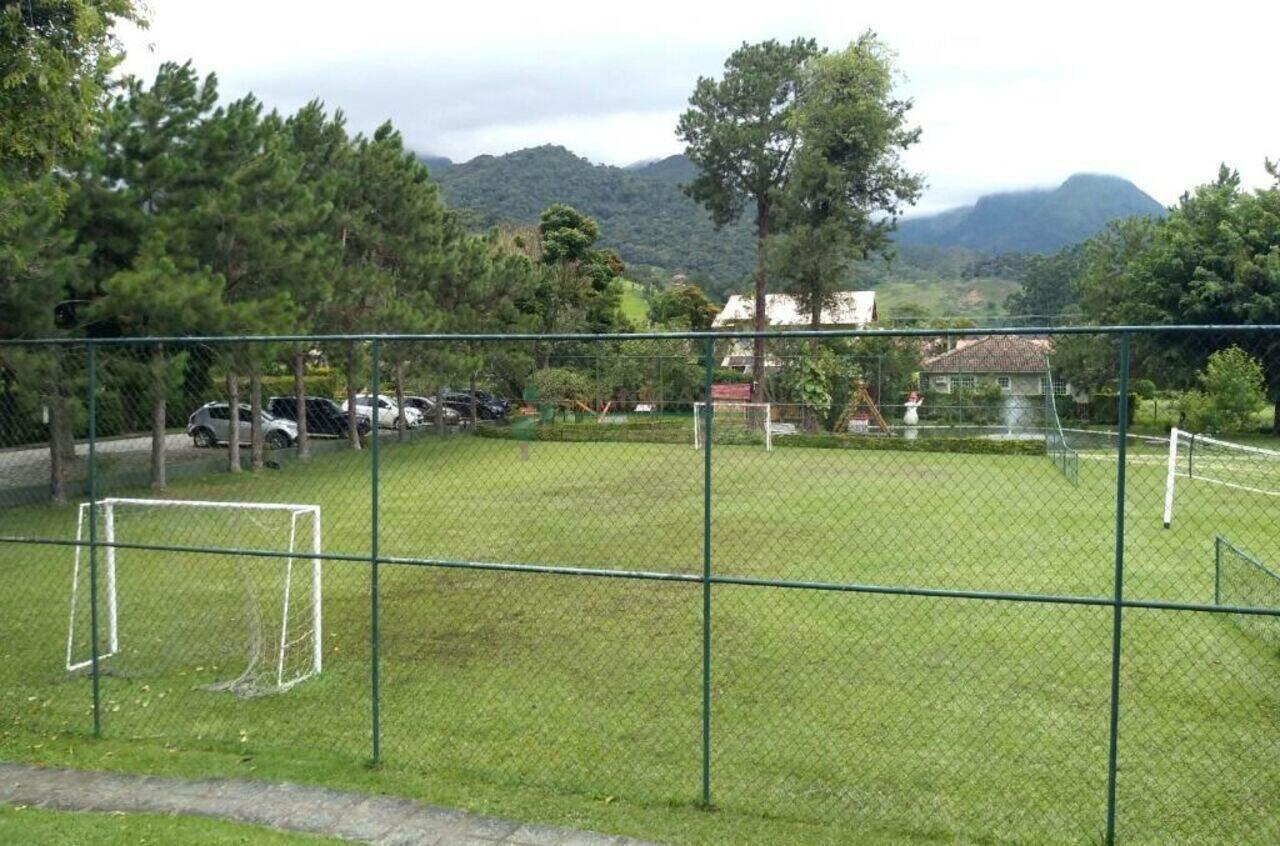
x=388 y=412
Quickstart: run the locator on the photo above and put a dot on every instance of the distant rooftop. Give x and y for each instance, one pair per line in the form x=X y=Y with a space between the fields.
x=993 y=354
x=851 y=309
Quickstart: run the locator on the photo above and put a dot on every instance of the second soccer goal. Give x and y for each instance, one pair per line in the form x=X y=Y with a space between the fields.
x=733 y=423
x=243 y=614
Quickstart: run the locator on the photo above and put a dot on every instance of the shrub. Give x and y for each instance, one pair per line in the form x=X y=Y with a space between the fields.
x=1144 y=388
x=1233 y=392
x=558 y=384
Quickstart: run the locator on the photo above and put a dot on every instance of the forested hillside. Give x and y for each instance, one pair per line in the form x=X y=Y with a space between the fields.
x=644 y=217
x=1036 y=221
x=940 y=263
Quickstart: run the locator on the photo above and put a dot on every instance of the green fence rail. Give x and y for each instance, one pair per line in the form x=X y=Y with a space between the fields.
x=910 y=629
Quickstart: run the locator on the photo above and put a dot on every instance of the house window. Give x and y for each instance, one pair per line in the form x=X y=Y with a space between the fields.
x=1005 y=383
x=1059 y=386
x=961 y=383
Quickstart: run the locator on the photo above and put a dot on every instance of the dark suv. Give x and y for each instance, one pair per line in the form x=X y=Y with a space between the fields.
x=488 y=406
x=325 y=418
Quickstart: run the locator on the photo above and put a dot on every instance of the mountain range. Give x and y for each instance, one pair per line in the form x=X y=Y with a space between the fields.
x=657 y=230
x=1034 y=221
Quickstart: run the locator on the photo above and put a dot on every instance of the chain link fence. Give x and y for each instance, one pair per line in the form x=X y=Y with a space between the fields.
x=985 y=584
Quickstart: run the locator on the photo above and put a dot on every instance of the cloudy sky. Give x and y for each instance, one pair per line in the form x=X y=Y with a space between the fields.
x=1009 y=94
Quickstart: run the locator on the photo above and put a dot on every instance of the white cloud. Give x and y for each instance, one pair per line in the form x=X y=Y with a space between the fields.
x=1009 y=94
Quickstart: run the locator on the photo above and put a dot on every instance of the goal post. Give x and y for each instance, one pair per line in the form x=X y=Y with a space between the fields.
x=262 y=602
x=733 y=423
x=1204 y=458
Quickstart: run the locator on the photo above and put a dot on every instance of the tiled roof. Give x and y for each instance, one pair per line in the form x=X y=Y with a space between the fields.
x=993 y=354
x=851 y=308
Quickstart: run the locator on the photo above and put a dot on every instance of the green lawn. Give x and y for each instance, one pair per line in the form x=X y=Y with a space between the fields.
x=577 y=700
x=634 y=305
x=40 y=827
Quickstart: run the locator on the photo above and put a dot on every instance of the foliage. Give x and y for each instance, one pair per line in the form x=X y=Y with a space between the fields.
x=681 y=305
x=1047 y=289
x=1215 y=259
x=559 y=384
x=1233 y=392
x=55 y=58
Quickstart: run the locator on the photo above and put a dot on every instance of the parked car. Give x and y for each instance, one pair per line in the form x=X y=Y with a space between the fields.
x=488 y=406
x=388 y=411
x=325 y=418
x=210 y=425
x=426 y=406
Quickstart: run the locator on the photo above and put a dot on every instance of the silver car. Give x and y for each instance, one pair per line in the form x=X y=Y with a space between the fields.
x=210 y=425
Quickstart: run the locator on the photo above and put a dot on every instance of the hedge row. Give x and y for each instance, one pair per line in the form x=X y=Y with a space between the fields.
x=676 y=431
x=974 y=446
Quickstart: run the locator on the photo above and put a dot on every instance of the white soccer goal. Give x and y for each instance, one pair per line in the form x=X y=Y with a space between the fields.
x=254 y=620
x=1206 y=459
x=733 y=423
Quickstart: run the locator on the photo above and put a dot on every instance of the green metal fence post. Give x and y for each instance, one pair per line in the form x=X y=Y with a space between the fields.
x=91 y=362
x=1217 y=569
x=1117 y=618
x=708 y=352
x=374 y=439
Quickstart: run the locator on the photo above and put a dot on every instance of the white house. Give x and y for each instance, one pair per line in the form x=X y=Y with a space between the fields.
x=850 y=310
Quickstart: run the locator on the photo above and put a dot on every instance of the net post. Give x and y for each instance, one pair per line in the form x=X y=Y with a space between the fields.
x=375 y=438
x=1217 y=569
x=91 y=363
x=708 y=352
x=1117 y=618
x=1171 y=474
x=317 y=618
x=113 y=617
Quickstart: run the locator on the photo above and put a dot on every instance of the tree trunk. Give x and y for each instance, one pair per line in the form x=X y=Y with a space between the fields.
x=475 y=411
x=760 y=316
x=257 y=448
x=439 y=410
x=57 y=454
x=353 y=430
x=402 y=425
x=300 y=397
x=233 y=422
x=159 y=387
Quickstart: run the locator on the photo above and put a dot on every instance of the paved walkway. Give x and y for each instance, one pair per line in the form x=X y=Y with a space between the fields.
x=360 y=817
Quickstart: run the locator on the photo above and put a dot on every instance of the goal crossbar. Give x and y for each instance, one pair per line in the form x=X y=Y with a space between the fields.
x=111 y=645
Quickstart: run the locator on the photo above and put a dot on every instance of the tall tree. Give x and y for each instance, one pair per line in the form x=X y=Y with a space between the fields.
x=848 y=185
x=741 y=134
x=55 y=59
x=323 y=149
x=156 y=297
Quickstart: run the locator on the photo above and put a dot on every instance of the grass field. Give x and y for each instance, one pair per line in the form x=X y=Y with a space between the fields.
x=41 y=827
x=577 y=700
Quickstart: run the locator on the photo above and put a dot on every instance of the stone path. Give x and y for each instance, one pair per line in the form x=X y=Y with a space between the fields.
x=360 y=817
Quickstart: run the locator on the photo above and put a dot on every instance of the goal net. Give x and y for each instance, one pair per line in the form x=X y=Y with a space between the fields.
x=733 y=423
x=232 y=620
x=1242 y=581
x=1206 y=459
x=1056 y=445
